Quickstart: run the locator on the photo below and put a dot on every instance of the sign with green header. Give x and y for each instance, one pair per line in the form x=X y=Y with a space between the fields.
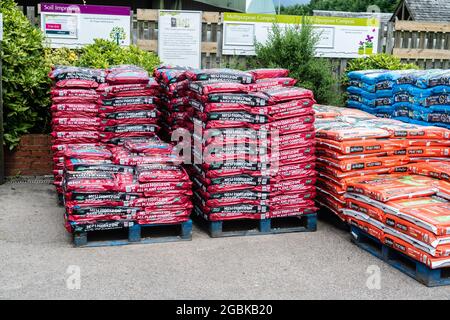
x=339 y=37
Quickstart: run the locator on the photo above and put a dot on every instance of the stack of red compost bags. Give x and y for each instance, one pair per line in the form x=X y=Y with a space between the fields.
x=253 y=144
x=75 y=113
x=409 y=213
x=128 y=105
x=127 y=175
x=353 y=143
x=175 y=107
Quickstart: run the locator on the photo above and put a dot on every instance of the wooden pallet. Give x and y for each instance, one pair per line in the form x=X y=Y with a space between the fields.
x=134 y=234
x=415 y=269
x=249 y=227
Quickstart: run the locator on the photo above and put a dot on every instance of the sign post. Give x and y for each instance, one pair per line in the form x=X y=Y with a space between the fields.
x=338 y=37
x=180 y=37
x=2 y=154
x=74 y=26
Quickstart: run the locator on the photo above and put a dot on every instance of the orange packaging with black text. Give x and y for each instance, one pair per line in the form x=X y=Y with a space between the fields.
x=362 y=146
x=439 y=170
x=364 y=163
x=394 y=186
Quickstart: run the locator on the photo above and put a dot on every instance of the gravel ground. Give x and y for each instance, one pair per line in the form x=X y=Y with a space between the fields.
x=39 y=262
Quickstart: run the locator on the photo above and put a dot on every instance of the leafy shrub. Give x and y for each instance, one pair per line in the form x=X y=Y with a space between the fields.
x=376 y=61
x=61 y=56
x=293 y=48
x=379 y=61
x=25 y=81
x=104 y=54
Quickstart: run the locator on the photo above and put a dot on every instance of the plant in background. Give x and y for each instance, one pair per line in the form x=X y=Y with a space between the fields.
x=25 y=81
x=377 y=61
x=293 y=48
x=61 y=56
x=104 y=54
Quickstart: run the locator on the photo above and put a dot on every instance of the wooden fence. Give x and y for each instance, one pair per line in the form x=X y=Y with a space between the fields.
x=423 y=43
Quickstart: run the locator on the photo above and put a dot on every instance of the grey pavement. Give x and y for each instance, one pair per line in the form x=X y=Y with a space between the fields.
x=36 y=253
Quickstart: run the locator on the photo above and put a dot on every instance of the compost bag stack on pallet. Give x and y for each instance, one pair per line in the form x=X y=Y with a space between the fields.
x=418 y=97
x=175 y=107
x=127 y=177
x=351 y=143
x=75 y=113
x=253 y=146
x=406 y=212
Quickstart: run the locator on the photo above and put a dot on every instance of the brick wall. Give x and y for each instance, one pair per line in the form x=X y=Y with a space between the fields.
x=32 y=157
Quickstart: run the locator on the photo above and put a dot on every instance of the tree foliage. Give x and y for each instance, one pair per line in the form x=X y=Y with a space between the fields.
x=293 y=48
x=25 y=81
x=339 y=5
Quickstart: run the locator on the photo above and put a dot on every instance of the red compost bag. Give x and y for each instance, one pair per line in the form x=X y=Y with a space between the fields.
x=65 y=73
x=305 y=199
x=268 y=73
x=152 y=146
x=162 y=217
x=208 y=87
x=90 y=182
x=291 y=211
x=77 y=84
x=266 y=84
x=228 y=75
x=133 y=160
x=127 y=75
x=294 y=140
x=171 y=201
x=92 y=122
x=156 y=187
x=77 y=93
x=279 y=95
x=290 y=109
x=129 y=89
x=87 y=152
x=219 y=107
x=250 y=99
x=75 y=137
x=294 y=185
x=72 y=164
x=122 y=103
x=88 y=108
x=160 y=172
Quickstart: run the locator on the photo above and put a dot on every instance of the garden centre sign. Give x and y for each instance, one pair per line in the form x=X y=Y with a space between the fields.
x=180 y=37
x=339 y=37
x=73 y=26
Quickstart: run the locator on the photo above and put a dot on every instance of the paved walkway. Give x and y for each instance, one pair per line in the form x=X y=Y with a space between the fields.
x=37 y=255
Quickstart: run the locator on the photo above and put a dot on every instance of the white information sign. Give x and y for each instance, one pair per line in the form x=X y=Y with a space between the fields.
x=179 y=37
x=74 y=26
x=338 y=37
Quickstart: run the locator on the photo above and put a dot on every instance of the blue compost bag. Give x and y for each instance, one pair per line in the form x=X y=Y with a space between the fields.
x=433 y=78
x=430 y=115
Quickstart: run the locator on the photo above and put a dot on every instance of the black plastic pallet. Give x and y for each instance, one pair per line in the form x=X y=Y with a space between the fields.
x=415 y=269
x=249 y=227
x=154 y=233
